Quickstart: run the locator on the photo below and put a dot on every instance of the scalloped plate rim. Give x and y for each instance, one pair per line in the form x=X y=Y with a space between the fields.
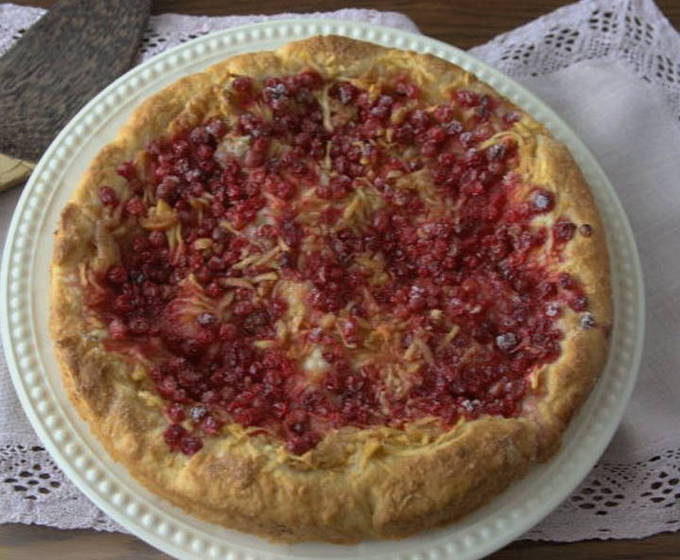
x=472 y=548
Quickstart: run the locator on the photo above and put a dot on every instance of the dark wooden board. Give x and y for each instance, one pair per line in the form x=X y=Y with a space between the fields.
x=464 y=23
x=59 y=64
x=32 y=542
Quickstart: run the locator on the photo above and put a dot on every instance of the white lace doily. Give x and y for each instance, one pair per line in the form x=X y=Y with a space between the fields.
x=634 y=32
x=635 y=489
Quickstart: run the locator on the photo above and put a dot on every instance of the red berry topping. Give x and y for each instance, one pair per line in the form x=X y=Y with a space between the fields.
x=286 y=243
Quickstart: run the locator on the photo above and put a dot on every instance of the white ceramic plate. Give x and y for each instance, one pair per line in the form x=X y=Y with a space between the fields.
x=24 y=312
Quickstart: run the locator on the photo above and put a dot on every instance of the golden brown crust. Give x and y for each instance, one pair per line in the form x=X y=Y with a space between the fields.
x=567 y=382
x=356 y=484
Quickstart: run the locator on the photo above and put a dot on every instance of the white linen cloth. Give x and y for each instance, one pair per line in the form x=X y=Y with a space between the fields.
x=611 y=69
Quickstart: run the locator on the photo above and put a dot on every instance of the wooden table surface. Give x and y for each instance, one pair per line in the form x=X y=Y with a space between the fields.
x=464 y=23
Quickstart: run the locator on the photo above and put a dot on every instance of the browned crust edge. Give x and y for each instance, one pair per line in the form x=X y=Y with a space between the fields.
x=358 y=483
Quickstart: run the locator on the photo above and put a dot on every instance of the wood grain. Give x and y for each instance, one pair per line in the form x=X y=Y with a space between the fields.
x=26 y=542
x=464 y=23
x=66 y=58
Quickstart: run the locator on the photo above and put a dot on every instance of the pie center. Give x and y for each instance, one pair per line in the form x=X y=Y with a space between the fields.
x=334 y=254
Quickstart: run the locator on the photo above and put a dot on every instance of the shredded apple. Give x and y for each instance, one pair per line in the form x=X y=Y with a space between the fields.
x=335 y=255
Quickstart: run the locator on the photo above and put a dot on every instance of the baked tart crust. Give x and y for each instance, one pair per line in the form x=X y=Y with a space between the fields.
x=356 y=482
